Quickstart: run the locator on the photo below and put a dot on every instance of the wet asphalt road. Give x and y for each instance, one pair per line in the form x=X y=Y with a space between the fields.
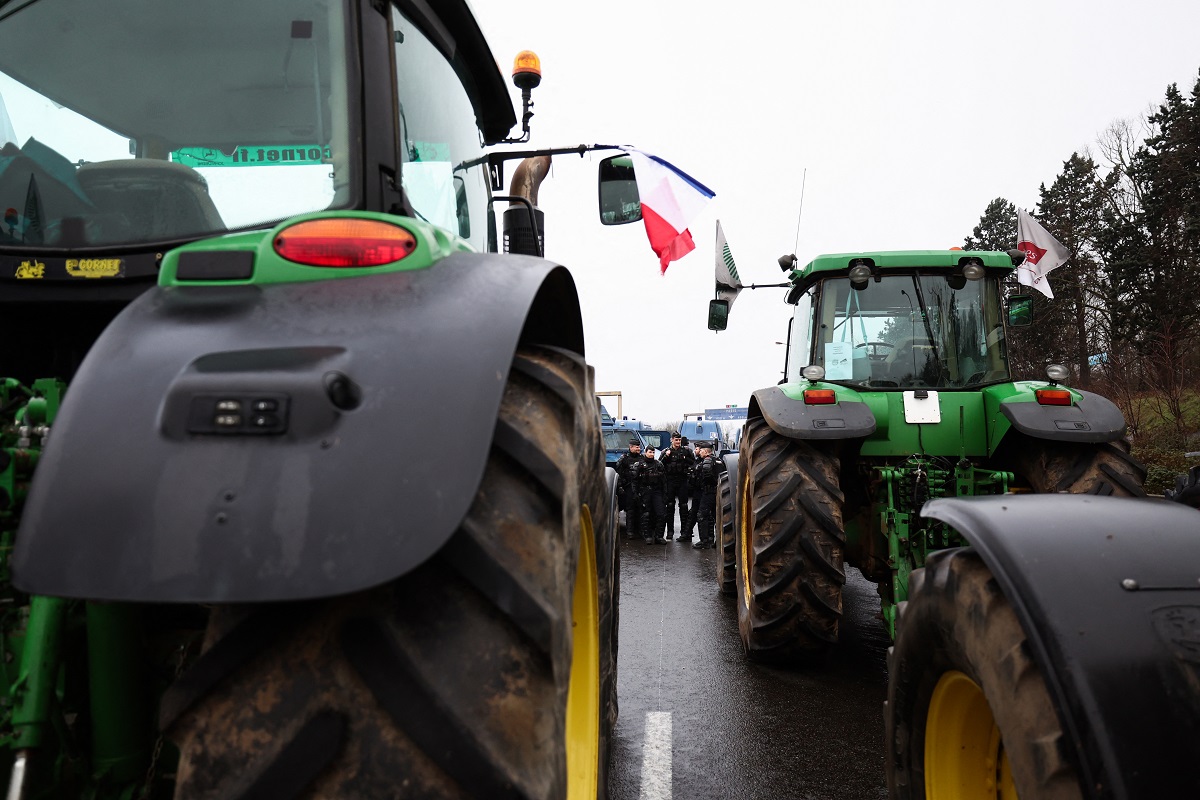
x=698 y=721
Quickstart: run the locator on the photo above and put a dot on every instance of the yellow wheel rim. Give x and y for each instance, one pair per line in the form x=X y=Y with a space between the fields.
x=745 y=529
x=964 y=757
x=583 y=696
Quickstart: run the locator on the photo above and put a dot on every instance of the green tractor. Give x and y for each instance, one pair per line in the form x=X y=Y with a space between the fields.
x=1045 y=645
x=897 y=391
x=245 y=245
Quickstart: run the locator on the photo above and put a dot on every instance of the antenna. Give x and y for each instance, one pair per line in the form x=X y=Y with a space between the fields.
x=803 y=178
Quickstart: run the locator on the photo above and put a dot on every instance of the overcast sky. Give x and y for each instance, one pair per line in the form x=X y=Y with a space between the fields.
x=909 y=117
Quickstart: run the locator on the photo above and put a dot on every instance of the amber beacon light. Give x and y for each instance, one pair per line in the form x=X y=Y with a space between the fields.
x=527 y=70
x=341 y=242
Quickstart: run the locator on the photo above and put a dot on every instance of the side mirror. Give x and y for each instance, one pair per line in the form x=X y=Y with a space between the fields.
x=1020 y=310
x=619 y=199
x=718 y=315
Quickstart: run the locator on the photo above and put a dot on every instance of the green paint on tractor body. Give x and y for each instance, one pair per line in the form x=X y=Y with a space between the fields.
x=919 y=338
x=283 y=124
x=432 y=245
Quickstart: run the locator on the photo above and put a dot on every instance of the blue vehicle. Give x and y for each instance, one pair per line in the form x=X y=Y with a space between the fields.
x=616 y=442
x=658 y=439
x=617 y=434
x=698 y=429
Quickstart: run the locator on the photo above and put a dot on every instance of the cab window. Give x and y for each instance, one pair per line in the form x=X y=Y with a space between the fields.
x=800 y=337
x=440 y=145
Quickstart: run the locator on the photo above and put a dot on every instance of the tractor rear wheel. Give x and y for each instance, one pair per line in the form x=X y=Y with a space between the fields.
x=790 y=548
x=968 y=715
x=479 y=674
x=1105 y=468
x=608 y=574
x=727 y=540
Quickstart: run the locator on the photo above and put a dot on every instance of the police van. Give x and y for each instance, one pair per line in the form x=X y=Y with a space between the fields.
x=699 y=429
x=617 y=435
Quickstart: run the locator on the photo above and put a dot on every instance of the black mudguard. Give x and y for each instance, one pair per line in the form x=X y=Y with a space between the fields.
x=797 y=420
x=1091 y=419
x=382 y=393
x=1108 y=592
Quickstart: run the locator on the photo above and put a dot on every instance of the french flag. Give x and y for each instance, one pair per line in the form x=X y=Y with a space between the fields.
x=670 y=200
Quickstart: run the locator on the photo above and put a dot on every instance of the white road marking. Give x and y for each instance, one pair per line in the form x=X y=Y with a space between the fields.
x=656 y=757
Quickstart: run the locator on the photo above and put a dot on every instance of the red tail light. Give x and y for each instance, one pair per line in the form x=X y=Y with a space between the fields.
x=819 y=397
x=344 y=242
x=1053 y=397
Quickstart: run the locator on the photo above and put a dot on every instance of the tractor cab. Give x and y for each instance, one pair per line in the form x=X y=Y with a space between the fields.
x=900 y=321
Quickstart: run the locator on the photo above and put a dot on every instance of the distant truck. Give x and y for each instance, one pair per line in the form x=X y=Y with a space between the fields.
x=697 y=429
x=658 y=439
x=617 y=434
x=616 y=442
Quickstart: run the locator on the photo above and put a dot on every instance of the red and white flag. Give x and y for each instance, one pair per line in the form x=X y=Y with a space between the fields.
x=1042 y=253
x=671 y=199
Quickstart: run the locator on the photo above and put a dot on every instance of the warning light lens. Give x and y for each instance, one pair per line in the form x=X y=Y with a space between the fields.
x=1053 y=397
x=527 y=63
x=341 y=242
x=819 y=397
x=1057 y=372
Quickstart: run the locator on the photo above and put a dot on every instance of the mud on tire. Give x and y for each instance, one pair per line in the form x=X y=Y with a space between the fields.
x=1104 y=468
x=450 y=682
x=957 y=622
x=790 y=548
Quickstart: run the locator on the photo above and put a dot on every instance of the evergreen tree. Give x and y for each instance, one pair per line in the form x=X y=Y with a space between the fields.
x=1128 y=300
x=1072 y=210
x=1155 y=253
x=997 y=228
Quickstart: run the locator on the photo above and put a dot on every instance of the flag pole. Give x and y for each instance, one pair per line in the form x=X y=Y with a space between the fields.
x=803 y=180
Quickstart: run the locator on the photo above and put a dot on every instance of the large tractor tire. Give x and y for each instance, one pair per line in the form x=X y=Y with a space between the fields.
x=790 y=548
x=727 y=539
x=608 y=575
x=1105 y=469
x=968 y=714
x=478 y=674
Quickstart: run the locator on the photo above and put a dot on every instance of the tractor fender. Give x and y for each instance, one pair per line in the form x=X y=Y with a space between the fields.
x=365 y=411
x=797 y=420
x=1092 y=418
x=1107 y=592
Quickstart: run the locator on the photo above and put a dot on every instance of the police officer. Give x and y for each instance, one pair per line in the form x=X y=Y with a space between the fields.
x=693 y=491
x=677 y=461
x=625 y=488
x=648 y=477
x=708 y=470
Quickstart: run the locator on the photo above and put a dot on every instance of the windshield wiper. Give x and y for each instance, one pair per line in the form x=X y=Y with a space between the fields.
x=6 y=14
x=937 y=359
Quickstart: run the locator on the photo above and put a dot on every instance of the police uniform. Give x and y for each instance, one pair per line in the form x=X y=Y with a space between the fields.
x=648 y=482
x=625 y=487
x=677 y=463
x=707 y=472
x=693 y=490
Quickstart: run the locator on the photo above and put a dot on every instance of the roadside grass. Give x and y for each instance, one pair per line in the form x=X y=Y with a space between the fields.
x=1161 y=438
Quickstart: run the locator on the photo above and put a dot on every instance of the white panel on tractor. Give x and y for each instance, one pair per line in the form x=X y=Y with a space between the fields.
x=922 y=409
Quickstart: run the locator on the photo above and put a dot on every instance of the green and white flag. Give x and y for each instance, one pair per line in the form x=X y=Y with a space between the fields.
x=728 y=282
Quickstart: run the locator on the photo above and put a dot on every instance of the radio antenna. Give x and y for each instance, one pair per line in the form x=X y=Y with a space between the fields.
x=803 y=178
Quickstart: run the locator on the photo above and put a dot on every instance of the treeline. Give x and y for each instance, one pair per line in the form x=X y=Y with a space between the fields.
x=1126 y=306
